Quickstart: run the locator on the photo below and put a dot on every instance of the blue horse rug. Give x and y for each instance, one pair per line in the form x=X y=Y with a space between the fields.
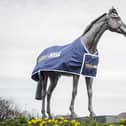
x=72 y=58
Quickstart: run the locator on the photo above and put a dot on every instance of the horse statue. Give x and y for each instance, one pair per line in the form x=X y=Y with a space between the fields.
x=80 y=57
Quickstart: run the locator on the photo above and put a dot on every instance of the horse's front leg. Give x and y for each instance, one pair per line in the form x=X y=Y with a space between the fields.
x=53 y=82
x=74 y=93
x=89 y=82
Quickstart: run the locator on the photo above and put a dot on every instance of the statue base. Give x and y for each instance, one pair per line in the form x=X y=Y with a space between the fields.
x=99 y=119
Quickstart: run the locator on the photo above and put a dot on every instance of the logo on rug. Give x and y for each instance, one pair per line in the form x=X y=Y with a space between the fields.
x=49 y=56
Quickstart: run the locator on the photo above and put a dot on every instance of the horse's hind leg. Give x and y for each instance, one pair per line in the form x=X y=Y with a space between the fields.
x=53 y=82
x=43 y=92
x=74 y=93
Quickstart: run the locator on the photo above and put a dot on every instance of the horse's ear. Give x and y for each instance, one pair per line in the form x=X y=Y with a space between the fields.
x=113 y=12
x=113 y=8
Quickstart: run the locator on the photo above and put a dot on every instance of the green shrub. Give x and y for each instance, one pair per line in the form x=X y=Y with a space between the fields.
x=88 y=122
x=18 y=121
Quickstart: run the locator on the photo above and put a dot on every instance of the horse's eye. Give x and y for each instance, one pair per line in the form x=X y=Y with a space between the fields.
x=116 y=17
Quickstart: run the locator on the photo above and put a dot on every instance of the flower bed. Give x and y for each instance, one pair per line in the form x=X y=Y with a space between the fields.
x=53 y=122
x=22 y=121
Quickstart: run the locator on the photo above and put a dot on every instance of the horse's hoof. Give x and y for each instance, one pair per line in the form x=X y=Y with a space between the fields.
x=92 y=115
x=73 y=115
x=50 y=116
x=44 y=116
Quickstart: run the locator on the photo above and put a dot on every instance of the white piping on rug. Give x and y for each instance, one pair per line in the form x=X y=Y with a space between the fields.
x=82 y=64
x=82 y=42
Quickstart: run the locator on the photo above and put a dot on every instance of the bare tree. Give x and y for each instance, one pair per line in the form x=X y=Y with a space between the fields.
x=8 y=109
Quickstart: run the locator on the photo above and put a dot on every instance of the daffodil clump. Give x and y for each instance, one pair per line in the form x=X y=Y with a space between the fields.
x=122 y=122
x=53 y=122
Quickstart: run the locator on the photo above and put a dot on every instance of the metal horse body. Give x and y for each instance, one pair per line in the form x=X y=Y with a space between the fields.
x=90 y=38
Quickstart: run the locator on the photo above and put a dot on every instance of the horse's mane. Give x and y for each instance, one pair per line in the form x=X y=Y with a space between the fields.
x=92 y=23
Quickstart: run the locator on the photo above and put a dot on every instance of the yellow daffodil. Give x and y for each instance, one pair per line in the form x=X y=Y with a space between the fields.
x=49 y=121
x=121 y=125
x=39 y=120
x=29 y=122
x=40 y=124
x=45 y=119
x=65 y=121
x=62 y=118
x=56 y=125
x=60 y=122
x=43 y=122
x=33 y=121
x=96 y=124
x=123 y=121
x=77 y=124
x=73 y=121
x=53 y=120
x=56 y=121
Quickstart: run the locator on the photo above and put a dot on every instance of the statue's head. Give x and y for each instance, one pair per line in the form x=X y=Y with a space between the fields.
x=115 y=24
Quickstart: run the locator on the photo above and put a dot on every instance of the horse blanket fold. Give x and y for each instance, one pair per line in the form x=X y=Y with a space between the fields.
x=71 y=58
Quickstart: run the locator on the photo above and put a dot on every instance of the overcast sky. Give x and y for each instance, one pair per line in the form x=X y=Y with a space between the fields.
x=29 y=26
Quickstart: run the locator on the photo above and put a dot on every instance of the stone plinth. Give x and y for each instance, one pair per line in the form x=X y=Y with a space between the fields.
x=100 y=119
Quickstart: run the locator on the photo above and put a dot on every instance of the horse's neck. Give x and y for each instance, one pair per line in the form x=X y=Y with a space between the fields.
x=92 y=36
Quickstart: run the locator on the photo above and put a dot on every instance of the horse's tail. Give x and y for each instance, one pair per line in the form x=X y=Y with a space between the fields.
x=38 y=94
